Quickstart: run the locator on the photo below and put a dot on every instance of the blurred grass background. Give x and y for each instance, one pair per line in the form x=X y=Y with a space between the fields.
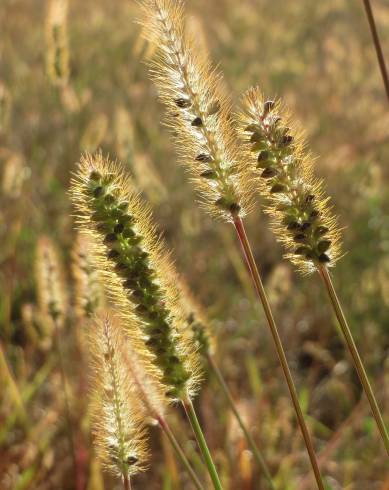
x=317 y=56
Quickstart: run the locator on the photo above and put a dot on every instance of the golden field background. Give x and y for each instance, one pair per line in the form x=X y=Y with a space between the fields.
x=319 y=58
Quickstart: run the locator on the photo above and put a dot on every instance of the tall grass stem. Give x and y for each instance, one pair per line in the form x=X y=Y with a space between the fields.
x=179 y=452
x=248 y=254
x=377 y=45
x=254 y=448
x=355 y=355
x=202 y=443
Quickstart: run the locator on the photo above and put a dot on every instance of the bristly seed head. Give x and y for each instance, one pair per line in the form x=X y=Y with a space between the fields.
x=300 y=213
x=199 y=113
x=135 y=256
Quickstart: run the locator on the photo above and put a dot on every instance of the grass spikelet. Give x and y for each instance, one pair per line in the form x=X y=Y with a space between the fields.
x=198 y=110
x=89 y=296
x=118 y=426
x=49 y=277
x=57 y=52
x=5 y=106
x=138 y=269
x=300 y=212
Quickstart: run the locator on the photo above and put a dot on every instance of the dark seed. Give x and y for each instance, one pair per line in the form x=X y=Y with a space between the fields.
x=130 y=284
x=324 y=258
x=103 y=228
x=113 y=254
x=305 y=226
x=255 y=138
x=300 y=237
x=235 y=208
x=174 y=359
x=302 y=250
x=268 y=173
x=208 y=174
x=309 y=198
x=278 y=188
x=293 y=226
x=268 y=106
x=132 y=460
x=95 y=175
x=111 y=237
x=314 y=214
x=287 y=139
x=98 y=192
x=214 y=108
x=197 y=122
x=324 y=245
x=321 y=230
x=119 y=228
x=203 y=157
x=263 y=156
x=183 y=103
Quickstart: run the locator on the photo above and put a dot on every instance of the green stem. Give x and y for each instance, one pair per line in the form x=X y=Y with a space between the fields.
x=355 y=354
x=249 y=438
x=202 y=443
x=377 y=45
x=248 y=255
x=179 y=452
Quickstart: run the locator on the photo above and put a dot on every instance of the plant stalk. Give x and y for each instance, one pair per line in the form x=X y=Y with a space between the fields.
x=126 y=482
x=355 y=354
x=377 y=45
x=248 y=255
x=249 y=438
x=179 y=452
x=202 y=443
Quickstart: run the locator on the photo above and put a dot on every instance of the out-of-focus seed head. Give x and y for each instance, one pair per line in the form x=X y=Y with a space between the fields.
x=57 y=51
x=300 y=213
x=49 y=279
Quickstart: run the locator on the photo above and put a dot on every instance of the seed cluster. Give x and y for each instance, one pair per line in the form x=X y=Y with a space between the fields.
x=198 y=110
x=134 y=255
x=296 y=204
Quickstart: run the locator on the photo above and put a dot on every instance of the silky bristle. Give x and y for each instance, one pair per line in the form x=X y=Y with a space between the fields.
x=300 y=213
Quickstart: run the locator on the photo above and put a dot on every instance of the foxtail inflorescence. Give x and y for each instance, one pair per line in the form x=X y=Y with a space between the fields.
x=118 y=421
x=300 y=213
x=89 y=296
x=50 y=285
x=57 y=51
x=137 y=268
x=198 y=110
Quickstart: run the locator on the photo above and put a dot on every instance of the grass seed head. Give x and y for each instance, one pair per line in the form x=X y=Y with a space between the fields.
x=117 y=418
x=137 y=266
x=57 y=51
x=198 y=111
x=300 y=212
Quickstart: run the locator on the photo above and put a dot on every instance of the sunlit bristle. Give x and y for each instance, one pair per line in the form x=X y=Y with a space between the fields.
x=57 y=52
x=137 y=268
x=117 y=418
x=300 y=212
x=198 y=110
x=89 y=296
x=49 y=278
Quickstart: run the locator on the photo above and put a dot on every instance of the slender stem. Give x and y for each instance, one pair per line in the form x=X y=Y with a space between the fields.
x=254 y=448
x=355 y=354
x=66 y=396
x=126 y=482
x=179 y=452
x=202 y=443
x=248 y=254
x=377 y=45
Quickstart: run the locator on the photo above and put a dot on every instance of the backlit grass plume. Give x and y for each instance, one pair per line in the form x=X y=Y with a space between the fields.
x=129 y=248
x=57 y=52
x=198 y=111
x=89 y=295
x=49 y=278
x=300 y=213
x=118 y=422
